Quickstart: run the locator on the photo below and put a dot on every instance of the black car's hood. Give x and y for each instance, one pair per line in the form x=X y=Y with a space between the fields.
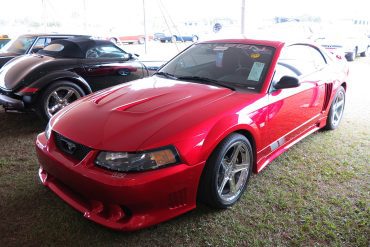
x=12 y=73
x=5 y=57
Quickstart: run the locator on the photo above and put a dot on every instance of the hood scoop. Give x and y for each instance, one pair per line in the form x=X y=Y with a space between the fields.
x=100 y=96
x=135 y=103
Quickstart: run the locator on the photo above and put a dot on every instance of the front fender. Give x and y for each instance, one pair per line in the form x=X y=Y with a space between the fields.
x=224 y=127
x=59 y=75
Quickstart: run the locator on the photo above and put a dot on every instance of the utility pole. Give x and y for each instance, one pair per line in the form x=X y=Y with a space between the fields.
x=43 y=15
x=243 y=17
x=145 y=36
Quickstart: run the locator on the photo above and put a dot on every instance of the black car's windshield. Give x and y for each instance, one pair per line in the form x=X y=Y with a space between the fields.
x=18 y=46
x=239 y=66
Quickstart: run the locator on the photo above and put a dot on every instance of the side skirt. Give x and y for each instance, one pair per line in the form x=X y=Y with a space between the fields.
x=284 y=148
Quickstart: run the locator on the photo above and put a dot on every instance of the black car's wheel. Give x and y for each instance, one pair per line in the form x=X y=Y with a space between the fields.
x=173 y=39
x=336 y=109
x=227 y=172
x=57 y=96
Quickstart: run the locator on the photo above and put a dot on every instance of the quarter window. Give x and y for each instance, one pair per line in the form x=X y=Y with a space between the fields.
x=304 y=58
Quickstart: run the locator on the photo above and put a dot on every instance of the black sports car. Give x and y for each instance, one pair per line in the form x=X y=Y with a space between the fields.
x=64 y=71
x=28 y=44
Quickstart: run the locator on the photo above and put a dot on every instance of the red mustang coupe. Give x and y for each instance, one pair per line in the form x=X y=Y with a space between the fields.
x=146 y=151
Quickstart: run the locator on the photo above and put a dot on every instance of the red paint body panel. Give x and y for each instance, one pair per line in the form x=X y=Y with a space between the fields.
x=155 y=112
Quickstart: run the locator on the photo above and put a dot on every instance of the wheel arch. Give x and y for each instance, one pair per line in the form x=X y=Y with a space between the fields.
x=45 y=81
x=219 y=133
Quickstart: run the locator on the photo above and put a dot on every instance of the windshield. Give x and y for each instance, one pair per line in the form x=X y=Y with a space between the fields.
x=19 y=46
x=241 y=66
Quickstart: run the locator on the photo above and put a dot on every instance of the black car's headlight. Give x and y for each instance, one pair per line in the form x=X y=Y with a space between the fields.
x=48 y=131
x=140 y=161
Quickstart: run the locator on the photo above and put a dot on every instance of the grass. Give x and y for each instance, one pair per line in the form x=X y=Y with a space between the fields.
x=316 y=194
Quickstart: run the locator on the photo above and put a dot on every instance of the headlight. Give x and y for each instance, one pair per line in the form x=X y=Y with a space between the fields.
x=140 y=161
x=48 y=131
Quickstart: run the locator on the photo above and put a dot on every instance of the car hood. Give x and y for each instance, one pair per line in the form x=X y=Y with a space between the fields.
x=124 y=117
x=12 y=73
x=5 y=57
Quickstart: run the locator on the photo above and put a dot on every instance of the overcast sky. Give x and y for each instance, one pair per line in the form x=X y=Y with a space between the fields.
x=129 y=13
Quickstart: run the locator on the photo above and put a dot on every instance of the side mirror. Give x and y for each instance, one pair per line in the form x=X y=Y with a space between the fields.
x=287 y=82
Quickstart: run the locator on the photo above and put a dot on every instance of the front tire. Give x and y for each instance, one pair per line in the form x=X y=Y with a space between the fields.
x=57 y=96
x=227 y=172
x=174 y=39
x=336 y=109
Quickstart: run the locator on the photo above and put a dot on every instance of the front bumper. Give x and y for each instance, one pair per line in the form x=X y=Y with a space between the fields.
x=121 y=201
x=11 y=103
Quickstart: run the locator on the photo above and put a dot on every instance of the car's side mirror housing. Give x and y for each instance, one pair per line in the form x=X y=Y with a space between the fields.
x=287 y=82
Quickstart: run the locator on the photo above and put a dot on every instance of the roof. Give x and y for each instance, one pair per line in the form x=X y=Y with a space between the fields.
x=54 y=35
x=74 y=47
x=272 y=43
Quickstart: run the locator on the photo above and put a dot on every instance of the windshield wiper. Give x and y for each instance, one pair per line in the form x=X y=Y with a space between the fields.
x=165 y=74
x=206 y=80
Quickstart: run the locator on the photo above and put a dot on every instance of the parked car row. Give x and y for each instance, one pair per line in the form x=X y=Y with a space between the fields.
x=162 y=37
x=139 y=151
x=349 y=42
x=344 y=41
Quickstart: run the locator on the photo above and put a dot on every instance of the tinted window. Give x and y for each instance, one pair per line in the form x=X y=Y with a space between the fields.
x=105 y=52
x=305 y=59
x=238 y=65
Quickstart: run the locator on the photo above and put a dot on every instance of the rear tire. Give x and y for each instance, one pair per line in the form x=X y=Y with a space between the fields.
x=365 y=53
x=227 y=172
x=336 y=110
x=195 y=38
x=57 y=96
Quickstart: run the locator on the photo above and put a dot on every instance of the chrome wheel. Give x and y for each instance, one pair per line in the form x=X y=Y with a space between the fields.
x=233 y=172
x=60 y=98
x=338 y=108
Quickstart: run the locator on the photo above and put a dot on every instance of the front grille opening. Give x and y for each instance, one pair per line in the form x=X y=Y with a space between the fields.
x=112 y=212
x=71 y=148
